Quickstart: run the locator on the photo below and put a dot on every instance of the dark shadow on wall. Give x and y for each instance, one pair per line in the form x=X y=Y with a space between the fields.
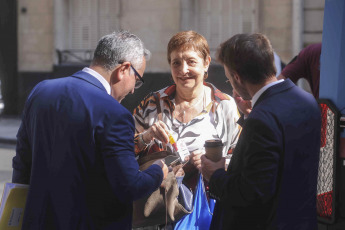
x=157 y=81
x=8 y=56
x=28 y=80
x=153 y=82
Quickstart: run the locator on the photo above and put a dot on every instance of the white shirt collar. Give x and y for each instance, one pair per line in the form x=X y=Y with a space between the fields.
x=262 y=90
x=99 y=78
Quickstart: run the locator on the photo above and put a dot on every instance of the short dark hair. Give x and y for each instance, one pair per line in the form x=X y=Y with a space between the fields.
x=185 y=40
x=249 y=55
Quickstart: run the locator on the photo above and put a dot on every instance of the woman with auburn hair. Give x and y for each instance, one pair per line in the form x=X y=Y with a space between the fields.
x=192 y=110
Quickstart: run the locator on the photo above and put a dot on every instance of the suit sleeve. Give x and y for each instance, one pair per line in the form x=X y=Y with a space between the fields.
x=252 y=173
x=122 y=169
x=22 y=161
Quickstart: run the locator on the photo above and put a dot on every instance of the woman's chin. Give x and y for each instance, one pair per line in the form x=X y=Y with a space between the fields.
x=187 y=83
x=187 y=86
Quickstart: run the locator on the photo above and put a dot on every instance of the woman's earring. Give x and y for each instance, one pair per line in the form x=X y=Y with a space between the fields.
x=205 y=74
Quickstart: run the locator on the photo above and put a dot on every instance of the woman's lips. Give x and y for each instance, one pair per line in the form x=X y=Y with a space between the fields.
x=186 y=78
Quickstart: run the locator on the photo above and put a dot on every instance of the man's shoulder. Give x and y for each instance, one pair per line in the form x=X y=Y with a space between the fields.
x=60 y=81
x=291 y=105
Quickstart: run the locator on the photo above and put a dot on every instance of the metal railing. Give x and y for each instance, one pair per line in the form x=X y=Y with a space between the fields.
x=327 y=184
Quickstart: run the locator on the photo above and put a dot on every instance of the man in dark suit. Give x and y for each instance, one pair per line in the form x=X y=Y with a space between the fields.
x=272 y=177
x=75 y=144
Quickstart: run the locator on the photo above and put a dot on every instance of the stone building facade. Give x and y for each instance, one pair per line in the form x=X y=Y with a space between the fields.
x=56 y=37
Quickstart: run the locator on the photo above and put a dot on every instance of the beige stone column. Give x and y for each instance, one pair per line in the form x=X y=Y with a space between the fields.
x=35 y=35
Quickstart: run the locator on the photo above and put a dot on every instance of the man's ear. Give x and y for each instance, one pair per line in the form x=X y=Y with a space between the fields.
x=236 y=77
x=119 y=73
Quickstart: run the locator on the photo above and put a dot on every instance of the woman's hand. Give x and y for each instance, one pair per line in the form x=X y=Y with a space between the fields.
x=158 y=131
x=195 y=158
x=244 y=106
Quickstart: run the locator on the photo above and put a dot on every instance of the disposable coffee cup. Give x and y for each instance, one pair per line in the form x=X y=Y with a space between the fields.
x=214 y=149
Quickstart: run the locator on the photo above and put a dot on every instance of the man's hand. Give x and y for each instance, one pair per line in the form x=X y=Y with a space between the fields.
x=163 y=166
x=208 y=167
x=243 y=105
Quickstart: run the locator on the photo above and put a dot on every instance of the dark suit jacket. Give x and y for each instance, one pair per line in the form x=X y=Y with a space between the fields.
x=76 y=151
x=272 y=177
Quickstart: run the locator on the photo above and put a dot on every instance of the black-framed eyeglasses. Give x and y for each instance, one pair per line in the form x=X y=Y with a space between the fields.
x=139 y=83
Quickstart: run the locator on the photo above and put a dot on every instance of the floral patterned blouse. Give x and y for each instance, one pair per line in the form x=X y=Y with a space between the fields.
x=217 y=120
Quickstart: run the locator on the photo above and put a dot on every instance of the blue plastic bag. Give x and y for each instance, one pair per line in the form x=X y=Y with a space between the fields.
x=200 y=218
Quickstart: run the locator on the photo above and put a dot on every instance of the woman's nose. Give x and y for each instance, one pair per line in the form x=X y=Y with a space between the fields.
x=184 y=68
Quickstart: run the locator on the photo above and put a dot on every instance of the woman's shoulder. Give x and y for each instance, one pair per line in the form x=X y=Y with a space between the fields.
x=225 y=100
x=161 y=93
x=168 y=91
x=219 y=95
x=150 y=100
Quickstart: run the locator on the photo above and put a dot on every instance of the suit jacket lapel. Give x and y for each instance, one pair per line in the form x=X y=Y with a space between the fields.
x=286 y=84
x=89 y=78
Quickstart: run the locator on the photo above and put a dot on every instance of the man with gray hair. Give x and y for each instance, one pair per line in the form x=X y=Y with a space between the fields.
x=75 y=144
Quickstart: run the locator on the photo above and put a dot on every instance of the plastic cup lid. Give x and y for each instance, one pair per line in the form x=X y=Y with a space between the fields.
x=213 y=143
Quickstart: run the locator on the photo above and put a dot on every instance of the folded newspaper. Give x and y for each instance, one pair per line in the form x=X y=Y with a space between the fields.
x=12 y=206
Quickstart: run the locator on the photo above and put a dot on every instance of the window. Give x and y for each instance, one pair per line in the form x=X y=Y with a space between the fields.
x=218 y=20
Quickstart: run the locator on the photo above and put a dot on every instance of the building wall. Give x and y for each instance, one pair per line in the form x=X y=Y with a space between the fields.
x=35 y=35
x=47 y=25
x=279 y=20
x=313 y=21
x=154 y=21
x=275 y=20
x=218 y=20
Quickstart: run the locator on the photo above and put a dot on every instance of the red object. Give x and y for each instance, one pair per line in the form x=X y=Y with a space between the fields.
x=324 y=204
x=324 y=109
